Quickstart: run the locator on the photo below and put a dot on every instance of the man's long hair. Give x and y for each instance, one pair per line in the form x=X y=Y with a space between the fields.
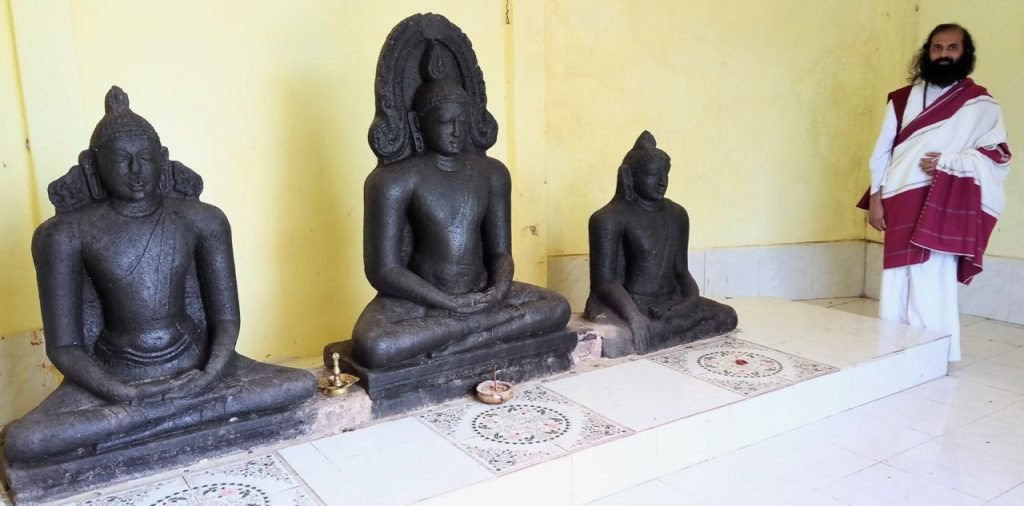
x=921 y=59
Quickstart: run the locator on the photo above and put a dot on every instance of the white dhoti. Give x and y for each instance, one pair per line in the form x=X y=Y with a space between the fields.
x=924 y=295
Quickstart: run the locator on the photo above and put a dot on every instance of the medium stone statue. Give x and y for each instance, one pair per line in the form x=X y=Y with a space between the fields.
x=140 y=310
x=639 y=277
x=436 y=236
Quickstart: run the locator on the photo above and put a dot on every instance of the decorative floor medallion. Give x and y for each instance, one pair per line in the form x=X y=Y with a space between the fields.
x=520 y=424
x=745 y=368
x=259 y=481
x=536 y=425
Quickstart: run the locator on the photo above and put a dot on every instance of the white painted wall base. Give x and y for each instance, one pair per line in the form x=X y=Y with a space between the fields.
x=996 y=293
x=789 y=271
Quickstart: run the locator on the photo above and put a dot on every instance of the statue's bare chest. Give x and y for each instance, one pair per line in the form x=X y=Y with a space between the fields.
x=450 y=198
x=143 y=256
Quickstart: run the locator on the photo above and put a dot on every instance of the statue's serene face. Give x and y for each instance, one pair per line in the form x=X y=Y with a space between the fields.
x=130 y=167
x=651 y=180
x=444 y=128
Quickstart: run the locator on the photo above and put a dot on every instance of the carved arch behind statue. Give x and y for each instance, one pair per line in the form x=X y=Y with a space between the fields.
x=398 y=78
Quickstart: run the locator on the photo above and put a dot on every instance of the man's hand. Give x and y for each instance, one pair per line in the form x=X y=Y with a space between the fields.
x=930 y=162
x=876 y=212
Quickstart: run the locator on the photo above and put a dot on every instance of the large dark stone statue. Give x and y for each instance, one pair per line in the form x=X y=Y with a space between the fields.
x=140 y=309
x=436 y=237
x=639 y=277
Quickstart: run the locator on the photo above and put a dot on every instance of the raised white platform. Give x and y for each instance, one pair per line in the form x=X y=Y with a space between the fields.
x=605 y=427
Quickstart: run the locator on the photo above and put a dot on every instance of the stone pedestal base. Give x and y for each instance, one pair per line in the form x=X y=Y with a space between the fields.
x=53 y=478
x=615 y=340
x=425 y=382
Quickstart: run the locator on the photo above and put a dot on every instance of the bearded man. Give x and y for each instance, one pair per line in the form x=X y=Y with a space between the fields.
x=937 y=175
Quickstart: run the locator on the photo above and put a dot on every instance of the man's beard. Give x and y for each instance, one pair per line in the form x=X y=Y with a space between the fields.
x=944 y=74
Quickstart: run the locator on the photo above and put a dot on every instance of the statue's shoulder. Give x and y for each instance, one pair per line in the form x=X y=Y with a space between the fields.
x=493 y=167
x=63 y=229
x=203 y=216
x=392 y=176
x=676 y=208
x=613 y=214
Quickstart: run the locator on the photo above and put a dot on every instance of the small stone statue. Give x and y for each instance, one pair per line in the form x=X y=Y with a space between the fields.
x=638 y=268
x=436 y=235
x=140 y=309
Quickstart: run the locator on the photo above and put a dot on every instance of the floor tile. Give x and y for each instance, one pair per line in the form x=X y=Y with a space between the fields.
x=999 y=331
x=993 y=374
x=1014 y=497
x=1000 y=434
x=1014 y=358
x=261 y=476
x=546 y=483
x=830 y=302
x=863 y=307
x=369 y=440
x=803 y=459
x=975 y=397
x=325 y=479
x=884 y=485
x=811 y=498
x=924 y=415
x=297 y=496
x=423 y=462
x=863 y=435
x=642 y=394
x=742 y=367
x=536 y=425
x=602 y=470
x=967 y=468
x=652 y=493
x=732 y=480
x=172 y=491
x=975 y=347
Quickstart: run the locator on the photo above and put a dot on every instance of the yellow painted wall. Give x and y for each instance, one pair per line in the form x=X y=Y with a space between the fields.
x=19 y=304
x=768 y=110
x=995 y=26
x=270 y=102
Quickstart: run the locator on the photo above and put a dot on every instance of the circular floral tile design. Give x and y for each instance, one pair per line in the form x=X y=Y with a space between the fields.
x=740 y=364
x=520 y=424
x=215 y=494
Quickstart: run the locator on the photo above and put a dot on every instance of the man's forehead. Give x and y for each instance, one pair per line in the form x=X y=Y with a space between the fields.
x=946 y=37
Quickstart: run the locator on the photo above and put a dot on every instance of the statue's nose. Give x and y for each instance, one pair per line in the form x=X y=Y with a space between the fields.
x=135 y=166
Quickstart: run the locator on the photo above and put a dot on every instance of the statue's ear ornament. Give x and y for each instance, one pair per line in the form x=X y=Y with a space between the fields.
x=87 y=161
x=626 y=182
x=417 y=135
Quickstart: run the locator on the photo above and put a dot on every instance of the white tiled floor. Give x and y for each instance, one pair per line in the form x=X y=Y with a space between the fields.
x=955 y=440
x=633 y=393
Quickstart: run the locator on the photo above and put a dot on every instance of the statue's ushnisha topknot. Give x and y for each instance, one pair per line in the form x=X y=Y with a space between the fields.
x=120 y=120
x=645 y=141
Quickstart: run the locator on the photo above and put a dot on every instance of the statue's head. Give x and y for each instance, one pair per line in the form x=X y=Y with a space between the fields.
x=643 y=174
x=125 y=160
x=441 y=117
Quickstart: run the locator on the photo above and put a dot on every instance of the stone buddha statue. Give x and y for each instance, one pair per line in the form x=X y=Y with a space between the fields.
x=437 y=231
x=639 y=278
x=140 y=309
